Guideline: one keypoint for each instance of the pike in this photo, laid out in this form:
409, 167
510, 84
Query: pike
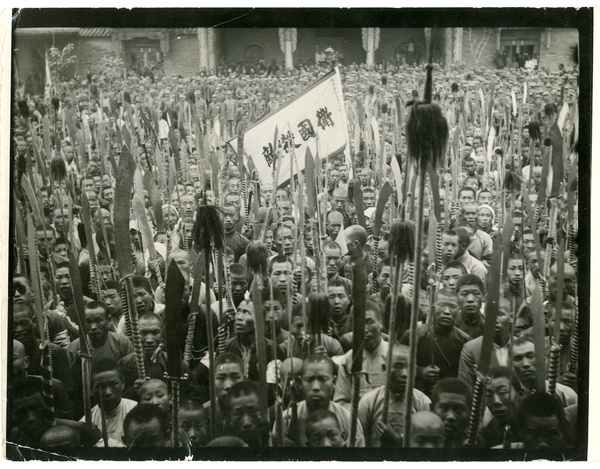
537, 314
384, 195
487, 344
144, 224
554, 357
85, 354
42, 325
209, 234
173, 293
427, 139
359, 299
123, 247
86, 218
401, 244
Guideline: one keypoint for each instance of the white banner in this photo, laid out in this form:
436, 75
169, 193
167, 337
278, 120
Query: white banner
316, 116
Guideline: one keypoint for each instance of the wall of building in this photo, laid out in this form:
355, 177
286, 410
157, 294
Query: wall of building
30, 52
350, 38
90, 51
561, 50
397, 40
184, 55
233, 43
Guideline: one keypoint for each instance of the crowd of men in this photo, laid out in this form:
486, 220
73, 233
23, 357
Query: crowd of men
92, 347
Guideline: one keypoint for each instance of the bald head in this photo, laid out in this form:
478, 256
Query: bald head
289, 364
355, 234
60, 436
20, 360
427, 431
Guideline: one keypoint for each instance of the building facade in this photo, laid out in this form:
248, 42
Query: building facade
187, 51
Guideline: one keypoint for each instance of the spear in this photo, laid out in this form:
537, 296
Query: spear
401, 245
427, 138
209, 234
384, 195
173, 293
554, 358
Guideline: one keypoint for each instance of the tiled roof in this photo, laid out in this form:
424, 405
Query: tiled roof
95, 32
45, 31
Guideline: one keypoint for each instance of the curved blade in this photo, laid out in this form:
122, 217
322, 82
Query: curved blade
140, 213
121, 216
384, 195
173, 294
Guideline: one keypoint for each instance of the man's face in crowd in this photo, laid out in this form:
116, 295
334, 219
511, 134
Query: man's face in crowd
528, 242
69, 153
568, 280
450, 277
273, 312
193, 425
453, 409
62, 281
470, 299
284, 241
28, 415
113, 303
365, 177
466, 196
324, 433
567, 321
239, 287
108, 194
470, 167
155, 392
245, 416
97, 183
96, 320
244, 319
93, 201
484, 219
150, 334
188, 204
343, 172
368, 199
334, 177
88, 185
226, 375
147, 435
383, 280
318, 385
60, 220
445, 311
334, 224
281, 276
333, 260
523, 359
110, 384
449, 247
23, 326
501, 398
469, 215
338, 300
373, 328
143, 300
399, 374
21, 291
515, 273
170, 217
230, 218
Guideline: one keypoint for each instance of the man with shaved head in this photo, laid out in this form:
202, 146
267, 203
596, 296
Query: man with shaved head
427, 431
356, 241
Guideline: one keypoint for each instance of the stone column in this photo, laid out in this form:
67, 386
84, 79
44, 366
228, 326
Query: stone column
203, 48
210, 43
448, 56
370, 42
288, 40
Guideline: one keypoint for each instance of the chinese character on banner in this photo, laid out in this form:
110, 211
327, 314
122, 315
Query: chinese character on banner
286, 140
324, 118
268, 153
305, 129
